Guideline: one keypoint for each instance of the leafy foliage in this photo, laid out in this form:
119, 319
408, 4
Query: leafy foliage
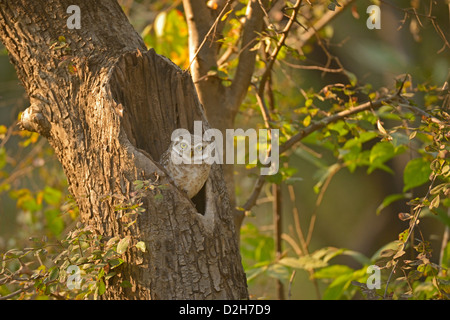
44, 271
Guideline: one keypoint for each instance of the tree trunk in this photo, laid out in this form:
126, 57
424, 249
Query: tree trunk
222, 103
108, 108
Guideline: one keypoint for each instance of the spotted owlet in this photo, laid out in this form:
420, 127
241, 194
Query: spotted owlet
184, 160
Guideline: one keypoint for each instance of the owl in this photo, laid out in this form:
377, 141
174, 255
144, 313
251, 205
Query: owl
185, 162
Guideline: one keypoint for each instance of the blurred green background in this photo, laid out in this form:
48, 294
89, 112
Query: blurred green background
347, 216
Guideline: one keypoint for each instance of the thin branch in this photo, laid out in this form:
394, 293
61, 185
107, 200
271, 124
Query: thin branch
331, 119
292, 242
264, 110
298, 228
322, 22
213, 27
319, 201
304, 243
319, 68
421, 113
291, 280
277, 223
226, 55
309, 130
247, 57
413, 12
408, 11
411, 229
15, 293
280, 44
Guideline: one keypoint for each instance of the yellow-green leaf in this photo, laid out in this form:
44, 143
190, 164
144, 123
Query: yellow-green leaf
123, 244
141, 246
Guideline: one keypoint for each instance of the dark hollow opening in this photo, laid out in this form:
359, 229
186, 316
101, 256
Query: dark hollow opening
199, 200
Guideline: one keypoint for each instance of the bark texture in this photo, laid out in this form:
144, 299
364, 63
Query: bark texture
108, 108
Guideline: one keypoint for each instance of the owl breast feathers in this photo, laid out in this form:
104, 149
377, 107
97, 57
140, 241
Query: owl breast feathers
184, 160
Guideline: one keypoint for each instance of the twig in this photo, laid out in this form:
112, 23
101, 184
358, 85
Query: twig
306, 132
322, 22
280, 44
408, 11
335, 169
304, 244
264, 110
291, 280
226, 55
277, 222
298, 228
421, 112
410, 231
251, 30
428, 16
209, 33
15, 293
297, 66
336, 117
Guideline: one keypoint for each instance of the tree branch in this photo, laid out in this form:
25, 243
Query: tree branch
213, 28
309, 130
246, 65
199, 20
281, 41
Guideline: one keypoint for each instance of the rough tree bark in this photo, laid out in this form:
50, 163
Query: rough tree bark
108, 107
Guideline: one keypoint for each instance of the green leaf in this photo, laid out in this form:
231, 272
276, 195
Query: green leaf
123, 245
54, 220
338, 287
388, 200
54, 273
141, 246
435, 202
363, 137
158, 197
392, 246
307, 121
3, 156
446, 256
416, 173
332, 272
52, 196
276, 178
114, 263
110, 275
305, 262
225, 16
278, 271
291, 262
351, 77
361, 258
403, 236
380, 153
254, 272
101, 287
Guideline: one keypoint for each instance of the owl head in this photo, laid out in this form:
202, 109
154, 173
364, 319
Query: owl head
189, 149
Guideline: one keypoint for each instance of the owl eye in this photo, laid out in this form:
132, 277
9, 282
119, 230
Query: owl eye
183, 145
